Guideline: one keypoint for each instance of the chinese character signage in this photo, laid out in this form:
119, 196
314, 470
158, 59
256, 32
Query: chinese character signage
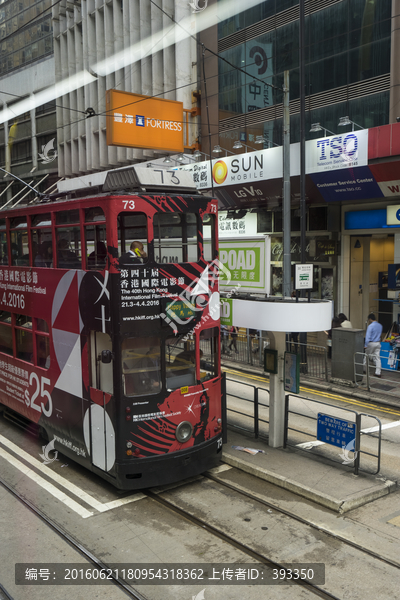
335, 431
304, 277
143, 122
248, 262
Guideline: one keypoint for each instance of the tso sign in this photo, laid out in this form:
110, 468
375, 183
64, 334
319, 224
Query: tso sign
338, 152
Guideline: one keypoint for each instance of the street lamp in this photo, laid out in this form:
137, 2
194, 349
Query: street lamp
343, 121
260, 139
238, 144
317, 127
218, 150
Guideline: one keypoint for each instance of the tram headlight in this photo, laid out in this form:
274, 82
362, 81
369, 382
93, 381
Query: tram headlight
184, 432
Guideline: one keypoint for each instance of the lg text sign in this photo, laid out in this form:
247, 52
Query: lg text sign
143, 122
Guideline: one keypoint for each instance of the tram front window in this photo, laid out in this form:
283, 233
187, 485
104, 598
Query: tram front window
141, 366
209, 363
175, 238
180, 361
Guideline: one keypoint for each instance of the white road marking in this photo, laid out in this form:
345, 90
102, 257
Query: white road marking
77, 491
49, 487
309, 445
386, 426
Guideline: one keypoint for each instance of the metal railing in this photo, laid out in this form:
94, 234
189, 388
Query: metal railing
389, 374
358, 451
254, 400
250, 350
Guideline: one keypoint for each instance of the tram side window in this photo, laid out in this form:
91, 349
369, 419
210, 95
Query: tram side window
68, 240
3, 243
42, 240
24, 338
132, 227
175, 238
42, 344
209, 363
180, 363
6, 341
19, 242
141, 366
209, 237
95, 238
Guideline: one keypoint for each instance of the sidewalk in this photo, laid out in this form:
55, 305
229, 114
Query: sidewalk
331, 486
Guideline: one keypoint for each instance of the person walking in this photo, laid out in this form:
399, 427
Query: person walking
234, 333
372, 344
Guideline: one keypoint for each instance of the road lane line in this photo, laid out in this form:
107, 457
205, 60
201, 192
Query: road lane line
49, 487
74, 489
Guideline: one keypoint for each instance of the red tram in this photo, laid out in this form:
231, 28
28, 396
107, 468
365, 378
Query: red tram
109, 326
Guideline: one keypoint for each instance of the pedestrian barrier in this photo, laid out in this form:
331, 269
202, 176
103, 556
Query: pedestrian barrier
249, 350
389, 379
354, 447
257, 421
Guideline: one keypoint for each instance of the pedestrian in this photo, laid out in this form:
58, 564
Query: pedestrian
335, 323
234, 331
372, 344
344, 322
224, 339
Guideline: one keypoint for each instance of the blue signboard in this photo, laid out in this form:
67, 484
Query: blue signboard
335, 431
347, 184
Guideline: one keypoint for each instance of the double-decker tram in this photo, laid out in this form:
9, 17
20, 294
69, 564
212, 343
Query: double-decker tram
109, 326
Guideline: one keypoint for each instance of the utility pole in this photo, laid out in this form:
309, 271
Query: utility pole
286, 188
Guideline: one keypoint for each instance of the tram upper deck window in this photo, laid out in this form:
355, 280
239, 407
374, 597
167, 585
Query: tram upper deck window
3, 243
141, 366
132, 227
68, 240
209, 363
180, 363
175, 238
95, 238
19, 242
209, 237
42, 240
6, 338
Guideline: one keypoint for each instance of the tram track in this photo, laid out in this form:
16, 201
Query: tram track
252, 553
71, 541
295, 517
244, 548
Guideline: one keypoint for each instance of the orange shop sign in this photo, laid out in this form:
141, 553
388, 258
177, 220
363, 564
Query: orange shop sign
144, 122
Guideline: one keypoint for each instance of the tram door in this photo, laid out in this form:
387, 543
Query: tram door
102, 433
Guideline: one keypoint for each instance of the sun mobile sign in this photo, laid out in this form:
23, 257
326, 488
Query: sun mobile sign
338, 155
143, 122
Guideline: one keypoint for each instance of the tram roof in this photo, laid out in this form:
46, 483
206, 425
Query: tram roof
132, 178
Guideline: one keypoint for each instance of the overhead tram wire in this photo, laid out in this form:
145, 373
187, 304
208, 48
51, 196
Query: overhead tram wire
29, 22
216, 54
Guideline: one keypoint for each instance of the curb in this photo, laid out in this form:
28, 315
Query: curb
339, 506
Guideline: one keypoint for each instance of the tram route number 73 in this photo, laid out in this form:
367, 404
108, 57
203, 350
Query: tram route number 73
14, 300
39, 390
